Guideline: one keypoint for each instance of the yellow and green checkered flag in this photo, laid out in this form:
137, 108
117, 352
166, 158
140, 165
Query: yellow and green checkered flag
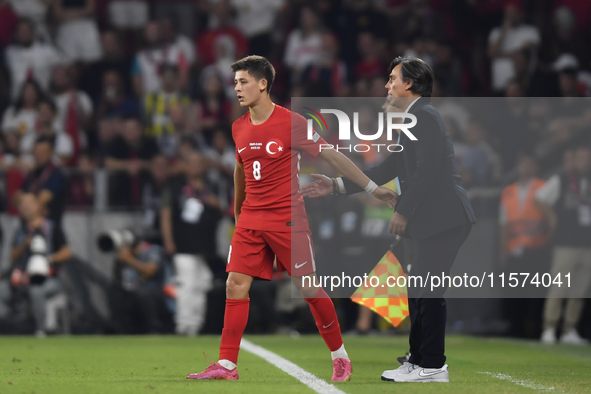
389, 302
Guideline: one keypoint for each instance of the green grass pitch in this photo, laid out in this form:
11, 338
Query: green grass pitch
159, 364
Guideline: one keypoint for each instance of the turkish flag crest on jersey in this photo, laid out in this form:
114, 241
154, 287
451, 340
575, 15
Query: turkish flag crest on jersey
274, 147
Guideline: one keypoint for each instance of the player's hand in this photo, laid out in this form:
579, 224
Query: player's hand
397, 224
320, 188
386, 195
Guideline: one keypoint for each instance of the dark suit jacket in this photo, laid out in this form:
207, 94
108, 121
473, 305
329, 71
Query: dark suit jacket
432, 199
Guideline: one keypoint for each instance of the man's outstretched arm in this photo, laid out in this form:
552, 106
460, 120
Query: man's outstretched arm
343, 165
380, 174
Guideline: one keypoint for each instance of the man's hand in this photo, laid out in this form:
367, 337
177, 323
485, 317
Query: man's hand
125, 255
386, 195
397, 224
320, 188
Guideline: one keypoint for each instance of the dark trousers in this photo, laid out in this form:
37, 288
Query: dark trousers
427, 309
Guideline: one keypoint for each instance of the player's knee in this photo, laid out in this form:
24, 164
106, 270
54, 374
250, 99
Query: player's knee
236, 290
305, 288
308, 292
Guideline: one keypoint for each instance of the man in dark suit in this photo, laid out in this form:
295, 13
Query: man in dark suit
433, 210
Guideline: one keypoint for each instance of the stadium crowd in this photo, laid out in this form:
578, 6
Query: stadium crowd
143, 89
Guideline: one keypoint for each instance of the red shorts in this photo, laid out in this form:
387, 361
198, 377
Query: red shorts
252, 252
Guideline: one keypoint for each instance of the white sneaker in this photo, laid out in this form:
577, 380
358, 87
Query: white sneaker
424, 375
405, 368
549, 336
572, 337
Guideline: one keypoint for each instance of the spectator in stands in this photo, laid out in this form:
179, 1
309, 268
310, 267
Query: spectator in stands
189, 144
140, 273
564, 38
565, 201
370, 65
189, 217
115, 59
36, 12
448, 69
38, 238
568, 83
353, 18
21, 117
171, 36
523, 243
224, 55
330, 70
129, 155
513, 36
129, 14
74, 109
77, 34
148, 62
81, 183
8, 23
114, 101
30, 59
7, 160
157, 110
213, 107
46, 181
567, 63
45, 126
220, 24
221, 159
256, 19
476, 167
107, 129
304, 44
181, 12
151, 198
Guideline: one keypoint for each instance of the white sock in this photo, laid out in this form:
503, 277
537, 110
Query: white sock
227, 364
339, 353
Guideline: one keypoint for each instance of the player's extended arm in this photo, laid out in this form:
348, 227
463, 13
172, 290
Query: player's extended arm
342, 164
239, 189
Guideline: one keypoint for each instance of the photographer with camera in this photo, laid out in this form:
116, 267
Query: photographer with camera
140, 276
38, 251
189, 216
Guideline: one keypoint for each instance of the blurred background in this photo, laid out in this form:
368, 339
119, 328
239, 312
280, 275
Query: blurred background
116, 153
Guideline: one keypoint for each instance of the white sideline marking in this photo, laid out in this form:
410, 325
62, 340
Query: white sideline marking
316, 384
524, 383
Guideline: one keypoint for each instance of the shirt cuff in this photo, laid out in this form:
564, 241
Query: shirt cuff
341, 186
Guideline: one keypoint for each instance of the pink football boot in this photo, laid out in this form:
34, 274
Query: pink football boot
215, 371
342, 370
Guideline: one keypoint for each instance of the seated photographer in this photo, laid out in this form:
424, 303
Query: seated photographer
140, 308
39, 249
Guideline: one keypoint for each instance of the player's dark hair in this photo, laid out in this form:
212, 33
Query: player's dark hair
417, 71
257, 66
